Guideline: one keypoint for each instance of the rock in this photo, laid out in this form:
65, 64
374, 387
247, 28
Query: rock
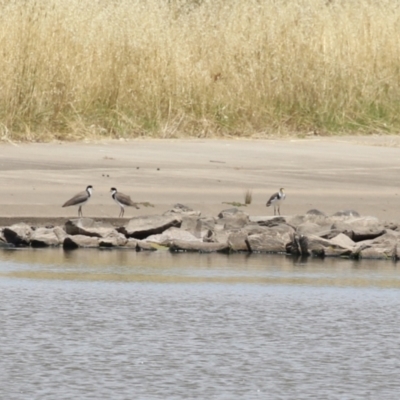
87, 227
172, 234
198, 227
307, 228
273, 240
231, 212
342, 227
44, 237
384, 247
236, 222
272, 221
113, 240
189, 224
316, 213
365, 228
182, 210
18, 234
343, 240
298, 246
131, 244
391, 225
267, 220
321, 220
237, 241
5, 245
76, 241
254, 229
144, 226
201, 247
60, 233
347, 213
319, 247
145, 246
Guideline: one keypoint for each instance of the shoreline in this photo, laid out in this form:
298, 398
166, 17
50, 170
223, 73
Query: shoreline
325, 173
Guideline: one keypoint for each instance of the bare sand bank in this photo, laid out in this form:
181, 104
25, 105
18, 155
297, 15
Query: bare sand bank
330, 174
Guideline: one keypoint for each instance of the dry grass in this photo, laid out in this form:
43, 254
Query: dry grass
172, 68
248, 196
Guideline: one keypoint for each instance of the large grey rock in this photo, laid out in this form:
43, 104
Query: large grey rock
201, 247
342, 227
273, 240
365, 228
144, 226
44, 237
217, 235
77, 241
236, 221
384, 247
199, 227
114, 239
87, 227
254, 229
320, 247
343, 240
307, 228
189, 224
298, 220
172, 234
18, 234
60, 233
238, 241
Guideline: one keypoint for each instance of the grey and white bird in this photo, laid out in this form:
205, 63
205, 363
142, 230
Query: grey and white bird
80, 199
122, 200
276, 199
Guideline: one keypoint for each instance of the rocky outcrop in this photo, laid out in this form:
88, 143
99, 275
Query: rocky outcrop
314, 234
142, 227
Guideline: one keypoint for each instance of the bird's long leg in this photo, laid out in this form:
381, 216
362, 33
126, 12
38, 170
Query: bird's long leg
80, 211
279, 210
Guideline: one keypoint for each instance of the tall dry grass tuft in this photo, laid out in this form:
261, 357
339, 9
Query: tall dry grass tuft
171, 68
248, 196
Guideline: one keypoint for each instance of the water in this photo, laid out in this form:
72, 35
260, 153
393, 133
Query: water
126, 325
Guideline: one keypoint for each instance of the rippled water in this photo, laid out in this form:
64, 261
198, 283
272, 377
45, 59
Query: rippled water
126, 325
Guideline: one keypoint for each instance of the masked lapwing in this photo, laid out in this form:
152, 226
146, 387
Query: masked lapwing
276, 199
80, 199
122, 200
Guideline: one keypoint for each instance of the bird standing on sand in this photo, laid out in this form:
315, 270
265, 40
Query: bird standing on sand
122, 200
80, 199
276, 199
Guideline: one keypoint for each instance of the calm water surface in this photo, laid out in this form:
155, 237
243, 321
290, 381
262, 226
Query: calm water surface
126, 325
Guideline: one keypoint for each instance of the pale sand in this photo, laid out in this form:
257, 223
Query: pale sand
329, 174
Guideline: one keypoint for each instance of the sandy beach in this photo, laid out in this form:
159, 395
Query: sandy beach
329, 174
